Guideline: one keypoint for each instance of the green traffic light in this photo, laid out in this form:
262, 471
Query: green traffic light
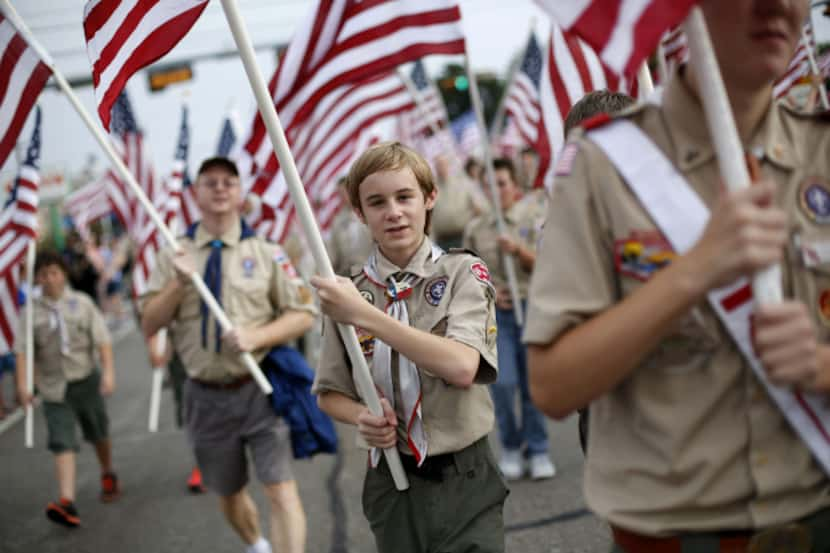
461, 83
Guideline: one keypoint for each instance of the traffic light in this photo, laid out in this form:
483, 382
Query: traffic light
462, 83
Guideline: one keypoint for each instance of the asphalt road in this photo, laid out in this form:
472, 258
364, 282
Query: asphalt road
156, 514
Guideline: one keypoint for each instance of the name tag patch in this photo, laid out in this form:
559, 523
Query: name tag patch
434, 290
641, 254
814, 199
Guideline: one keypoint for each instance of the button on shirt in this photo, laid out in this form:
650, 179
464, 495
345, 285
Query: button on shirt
258, 284
449, 301
689, 441
67, 354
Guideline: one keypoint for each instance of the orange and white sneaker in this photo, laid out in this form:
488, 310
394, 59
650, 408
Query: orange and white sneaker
110, 491
194, 482
63, 512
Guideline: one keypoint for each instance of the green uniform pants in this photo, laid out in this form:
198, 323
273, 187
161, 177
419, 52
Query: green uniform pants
461, 512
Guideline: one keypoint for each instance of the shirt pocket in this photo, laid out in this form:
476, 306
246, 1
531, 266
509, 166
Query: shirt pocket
689, 345
249, 298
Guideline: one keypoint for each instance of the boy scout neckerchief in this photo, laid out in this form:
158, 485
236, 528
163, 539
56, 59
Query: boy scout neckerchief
397, 290
213, 277
681, 216
56, 320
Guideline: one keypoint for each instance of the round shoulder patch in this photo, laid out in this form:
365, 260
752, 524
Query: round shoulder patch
481, 272
434, 290
368, 296
814, 199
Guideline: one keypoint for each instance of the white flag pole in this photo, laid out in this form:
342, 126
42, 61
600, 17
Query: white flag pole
645, 84
124, 173
362, 377
811, 58
29, 428
766, 284
159, 343
507, 260
501, 110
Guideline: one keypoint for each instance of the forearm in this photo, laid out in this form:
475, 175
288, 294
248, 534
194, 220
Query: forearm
160, 310
596, 356
526, 257
340, 407
288, 326
20, 371
107, 364
452, 361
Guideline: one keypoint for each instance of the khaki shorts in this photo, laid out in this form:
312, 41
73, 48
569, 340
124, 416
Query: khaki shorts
222, 423
82, 403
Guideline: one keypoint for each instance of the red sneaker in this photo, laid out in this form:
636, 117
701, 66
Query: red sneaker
63, 512
110, 490
194, 483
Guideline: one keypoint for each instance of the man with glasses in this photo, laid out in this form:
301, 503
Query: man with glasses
224, 410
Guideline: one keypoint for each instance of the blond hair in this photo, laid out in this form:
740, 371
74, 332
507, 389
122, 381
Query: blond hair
389, 156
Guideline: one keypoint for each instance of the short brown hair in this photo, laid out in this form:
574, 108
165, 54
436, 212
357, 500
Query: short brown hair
507, 165
218, 162
389, 156
48, 258
594, 103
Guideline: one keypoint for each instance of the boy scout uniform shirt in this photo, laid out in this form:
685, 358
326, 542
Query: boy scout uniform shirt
453, 300
258, 284
690, 440
524, 224
85, 332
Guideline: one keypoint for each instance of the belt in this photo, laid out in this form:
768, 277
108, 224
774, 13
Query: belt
789, 538
224, 384
431, 469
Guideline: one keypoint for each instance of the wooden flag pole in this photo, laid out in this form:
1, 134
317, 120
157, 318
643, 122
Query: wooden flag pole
362, 376
124, 173
29, 428
507, 260
811, 58
766, 284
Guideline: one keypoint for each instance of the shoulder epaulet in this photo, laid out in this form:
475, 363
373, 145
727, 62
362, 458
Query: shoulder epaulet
821, 115
355, 271
463, 250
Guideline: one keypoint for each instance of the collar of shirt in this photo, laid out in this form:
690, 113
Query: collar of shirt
421, 263
690, 134
49, 302
230, 237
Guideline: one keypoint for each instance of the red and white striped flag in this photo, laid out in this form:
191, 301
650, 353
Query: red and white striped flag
22, 77
799, 67
571, 69
623, 32
522, 98
18, 227
675, 48
87, 204
342, 42
123, 36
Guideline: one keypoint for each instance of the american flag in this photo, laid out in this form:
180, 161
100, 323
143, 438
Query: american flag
87, 204
571, 70
467, 134
227, 138
623, 32
823, 63
180, 209
799, 67
22, 77
675, 48
341, 43
433, 112
124, 36
522, 100
18, 227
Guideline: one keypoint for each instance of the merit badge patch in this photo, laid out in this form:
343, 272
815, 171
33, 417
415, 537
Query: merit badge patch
434, 290
368, 296
248, 264
565, 163
281, 259
814, 199
481, 272
824, 307
641, 254
367, 342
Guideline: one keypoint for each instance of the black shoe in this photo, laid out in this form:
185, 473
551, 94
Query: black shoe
63, 512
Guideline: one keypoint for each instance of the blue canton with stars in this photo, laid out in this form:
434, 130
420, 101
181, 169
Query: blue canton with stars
32, 157
532, 62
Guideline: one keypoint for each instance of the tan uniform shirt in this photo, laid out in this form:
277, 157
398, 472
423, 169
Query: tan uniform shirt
453, 210
258, 284
453, 300
84, 332
689, 440
524, 224
349, 243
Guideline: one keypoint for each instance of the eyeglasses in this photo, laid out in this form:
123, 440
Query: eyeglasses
215, 183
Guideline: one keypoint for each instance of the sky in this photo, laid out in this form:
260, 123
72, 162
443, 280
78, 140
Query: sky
495, 31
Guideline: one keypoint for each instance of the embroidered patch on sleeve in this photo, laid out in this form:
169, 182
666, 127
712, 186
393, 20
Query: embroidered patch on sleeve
565, 163
481, 272
284, 263
641, 254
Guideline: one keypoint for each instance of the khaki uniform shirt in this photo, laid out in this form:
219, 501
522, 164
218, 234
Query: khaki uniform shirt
258, 284
689, 440
453, 209
349, 243
453, 300
85, 331
524, 224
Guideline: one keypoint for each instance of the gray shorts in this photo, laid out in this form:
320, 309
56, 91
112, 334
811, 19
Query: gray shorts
220, 423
